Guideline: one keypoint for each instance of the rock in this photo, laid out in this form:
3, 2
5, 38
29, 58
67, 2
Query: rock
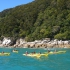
21, 43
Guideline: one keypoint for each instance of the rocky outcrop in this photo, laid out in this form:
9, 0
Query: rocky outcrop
45, 43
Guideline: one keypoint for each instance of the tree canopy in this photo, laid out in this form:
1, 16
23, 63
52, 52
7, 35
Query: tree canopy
36, 20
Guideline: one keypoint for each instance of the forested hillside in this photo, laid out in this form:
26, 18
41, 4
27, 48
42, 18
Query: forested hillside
36, 20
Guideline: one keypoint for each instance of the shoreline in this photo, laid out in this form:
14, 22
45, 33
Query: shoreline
57, 46
45, 43
36, 48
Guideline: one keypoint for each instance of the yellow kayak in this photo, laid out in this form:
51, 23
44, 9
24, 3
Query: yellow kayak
15, 51
57, 52
44, 54
33, 55
4, 54
36, 55
60, 52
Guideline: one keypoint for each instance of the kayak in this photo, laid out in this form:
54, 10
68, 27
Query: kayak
15, 51
57, 52
4, 54
44, 54
60, 52
36, 55
33, 55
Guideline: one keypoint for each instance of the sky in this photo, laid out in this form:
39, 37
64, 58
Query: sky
6, 4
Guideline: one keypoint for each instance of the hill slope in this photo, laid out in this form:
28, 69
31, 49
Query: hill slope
37, 20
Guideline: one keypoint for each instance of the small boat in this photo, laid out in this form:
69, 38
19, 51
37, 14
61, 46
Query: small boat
4, 54
57, 52
44, 54
60, 52
15, 51
35, 55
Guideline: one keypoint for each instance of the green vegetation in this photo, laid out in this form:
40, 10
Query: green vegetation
36, 20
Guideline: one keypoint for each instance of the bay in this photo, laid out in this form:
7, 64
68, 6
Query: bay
17, 61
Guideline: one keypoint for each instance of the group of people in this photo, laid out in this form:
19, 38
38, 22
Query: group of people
39, 52
32, 52
53, 51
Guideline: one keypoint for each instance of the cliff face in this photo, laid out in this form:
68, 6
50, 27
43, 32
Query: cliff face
45, 43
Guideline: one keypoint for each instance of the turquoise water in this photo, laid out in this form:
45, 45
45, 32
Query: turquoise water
16, 61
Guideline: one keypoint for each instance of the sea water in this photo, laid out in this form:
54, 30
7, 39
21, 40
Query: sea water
17, 61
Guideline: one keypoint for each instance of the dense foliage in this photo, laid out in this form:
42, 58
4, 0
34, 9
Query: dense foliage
36, 20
